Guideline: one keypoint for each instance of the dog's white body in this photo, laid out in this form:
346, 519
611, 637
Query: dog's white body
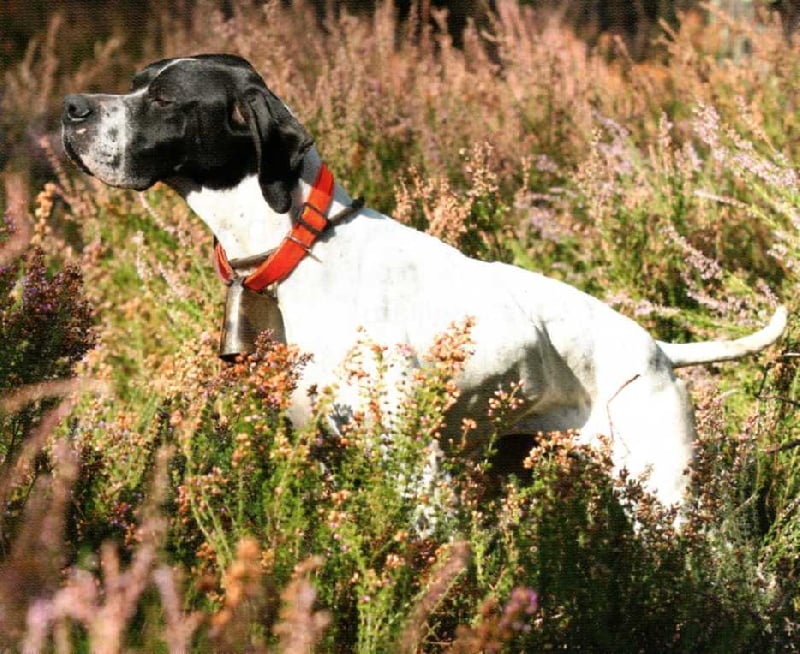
581, 364
209, 122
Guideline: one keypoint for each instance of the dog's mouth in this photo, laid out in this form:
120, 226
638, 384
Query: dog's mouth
106, 166
73, 154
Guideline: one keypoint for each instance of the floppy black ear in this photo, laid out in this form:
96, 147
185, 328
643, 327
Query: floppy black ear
280, 142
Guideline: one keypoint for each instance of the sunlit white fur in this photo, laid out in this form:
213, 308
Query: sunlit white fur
581, 364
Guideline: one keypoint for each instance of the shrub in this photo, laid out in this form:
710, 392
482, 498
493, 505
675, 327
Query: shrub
46, 326
181, 511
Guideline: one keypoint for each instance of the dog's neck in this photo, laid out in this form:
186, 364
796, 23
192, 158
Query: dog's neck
240, 217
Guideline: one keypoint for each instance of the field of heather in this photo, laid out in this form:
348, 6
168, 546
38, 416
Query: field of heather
154, 499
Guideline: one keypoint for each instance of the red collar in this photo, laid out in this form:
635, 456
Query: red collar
307, 227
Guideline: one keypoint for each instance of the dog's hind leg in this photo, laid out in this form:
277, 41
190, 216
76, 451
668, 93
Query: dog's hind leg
649, 421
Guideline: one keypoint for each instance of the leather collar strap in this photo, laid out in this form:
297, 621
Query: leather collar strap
307, 226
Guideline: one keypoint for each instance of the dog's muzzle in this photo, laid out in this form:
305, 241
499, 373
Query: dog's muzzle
96, 134
247, 314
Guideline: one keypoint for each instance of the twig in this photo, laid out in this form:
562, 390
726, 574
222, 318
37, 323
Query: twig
21, 236
782, 448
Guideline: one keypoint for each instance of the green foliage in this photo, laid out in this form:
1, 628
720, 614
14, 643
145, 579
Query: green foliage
668, 188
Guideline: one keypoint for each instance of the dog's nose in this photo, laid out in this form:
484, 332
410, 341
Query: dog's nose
76, 108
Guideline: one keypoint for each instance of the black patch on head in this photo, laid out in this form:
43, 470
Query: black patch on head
207, 120
230, 103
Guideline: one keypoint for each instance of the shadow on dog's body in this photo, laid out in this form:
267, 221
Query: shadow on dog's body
210, 128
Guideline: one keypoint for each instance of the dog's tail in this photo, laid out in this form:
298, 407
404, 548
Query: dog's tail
692, 354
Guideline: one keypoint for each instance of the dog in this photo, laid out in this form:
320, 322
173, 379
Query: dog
210, 128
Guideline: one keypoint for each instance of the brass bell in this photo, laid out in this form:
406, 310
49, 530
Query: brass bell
247, 314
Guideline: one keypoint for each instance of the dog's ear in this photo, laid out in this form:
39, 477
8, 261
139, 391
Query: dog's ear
280, 142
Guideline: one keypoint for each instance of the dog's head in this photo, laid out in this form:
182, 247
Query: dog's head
208, 120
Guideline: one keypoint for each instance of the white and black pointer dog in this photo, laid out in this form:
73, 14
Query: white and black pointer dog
209, 127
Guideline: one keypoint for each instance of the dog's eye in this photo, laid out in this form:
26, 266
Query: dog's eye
162, 100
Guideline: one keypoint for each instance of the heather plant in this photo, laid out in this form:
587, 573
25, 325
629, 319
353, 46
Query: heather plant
352, 497
473, 220
46, 326
772, 200
181, 511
